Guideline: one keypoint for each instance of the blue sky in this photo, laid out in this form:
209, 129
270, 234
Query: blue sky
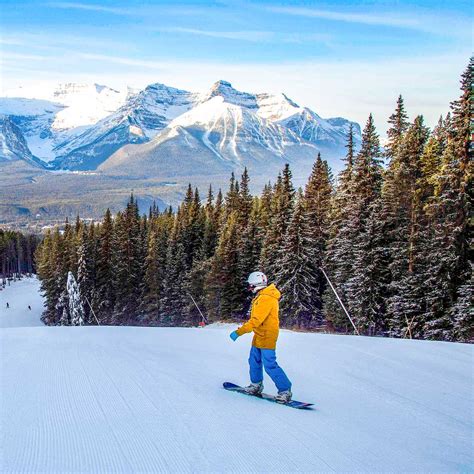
342, 57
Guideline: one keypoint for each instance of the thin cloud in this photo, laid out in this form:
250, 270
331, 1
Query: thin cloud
364, 18
20, 56
150, 64
140, 10
232, 35
419, 20
59, 42
11, 42
90, 7
251, 35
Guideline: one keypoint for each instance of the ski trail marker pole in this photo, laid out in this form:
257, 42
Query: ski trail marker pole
340, 302
195, 304
87, 299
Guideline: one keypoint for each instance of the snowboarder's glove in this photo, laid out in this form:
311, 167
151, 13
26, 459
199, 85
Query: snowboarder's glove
234, 335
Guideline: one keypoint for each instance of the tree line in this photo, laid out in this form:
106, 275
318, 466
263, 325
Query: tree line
17, 254
394, 240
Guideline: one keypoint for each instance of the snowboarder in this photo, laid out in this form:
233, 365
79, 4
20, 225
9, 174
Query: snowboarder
8, 304
29, 307
264, 323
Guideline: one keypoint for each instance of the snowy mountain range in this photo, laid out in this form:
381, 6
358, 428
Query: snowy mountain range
89, 127
81, 148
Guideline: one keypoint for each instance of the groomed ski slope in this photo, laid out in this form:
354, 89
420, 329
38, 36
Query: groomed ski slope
124, 399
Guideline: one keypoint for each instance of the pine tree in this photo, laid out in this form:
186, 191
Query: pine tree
192, 228
317, 214
398, 126
244, 200
401, 221
103, 295
174, 300
281, 213
354, 250
85, 270
76, 308
153, 278
129, 262
339, 258
297, 277
251, 241
211, 226
61, 255
46, 273
232, 196
224, 285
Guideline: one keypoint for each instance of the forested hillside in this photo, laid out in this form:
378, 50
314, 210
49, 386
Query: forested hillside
394, 240
16, 253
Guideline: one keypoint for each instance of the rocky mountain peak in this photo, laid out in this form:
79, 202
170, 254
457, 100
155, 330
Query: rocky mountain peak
230, 95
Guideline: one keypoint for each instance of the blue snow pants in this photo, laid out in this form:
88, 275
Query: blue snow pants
267, 358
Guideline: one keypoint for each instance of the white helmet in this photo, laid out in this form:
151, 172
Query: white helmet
257, 281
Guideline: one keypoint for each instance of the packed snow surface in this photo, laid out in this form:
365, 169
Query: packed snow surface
124, 399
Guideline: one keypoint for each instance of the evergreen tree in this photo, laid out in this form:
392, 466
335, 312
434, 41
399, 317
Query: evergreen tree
244, 200
76, 309
361, 289
224, 285
129, 263
399, 124
211, 226
297, 277
103, 294
174, 300
317, 214
232, 196
401, 218
339, 256
85, 271
281, 213
46, 274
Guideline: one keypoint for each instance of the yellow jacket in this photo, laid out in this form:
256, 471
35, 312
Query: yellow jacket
263, 320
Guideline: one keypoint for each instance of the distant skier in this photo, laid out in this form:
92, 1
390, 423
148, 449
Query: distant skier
264, 323
8, 304
29, 307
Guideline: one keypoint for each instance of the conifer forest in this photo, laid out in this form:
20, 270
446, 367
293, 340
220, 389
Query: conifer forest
16, 254
392, 232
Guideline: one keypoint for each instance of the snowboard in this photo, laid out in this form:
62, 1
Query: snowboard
292, 403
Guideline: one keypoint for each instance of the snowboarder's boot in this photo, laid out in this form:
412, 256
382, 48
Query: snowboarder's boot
254, 388
284, 396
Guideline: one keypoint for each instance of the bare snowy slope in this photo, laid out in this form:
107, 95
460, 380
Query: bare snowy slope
118, 399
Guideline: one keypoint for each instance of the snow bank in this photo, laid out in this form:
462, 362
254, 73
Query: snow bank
122, 399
